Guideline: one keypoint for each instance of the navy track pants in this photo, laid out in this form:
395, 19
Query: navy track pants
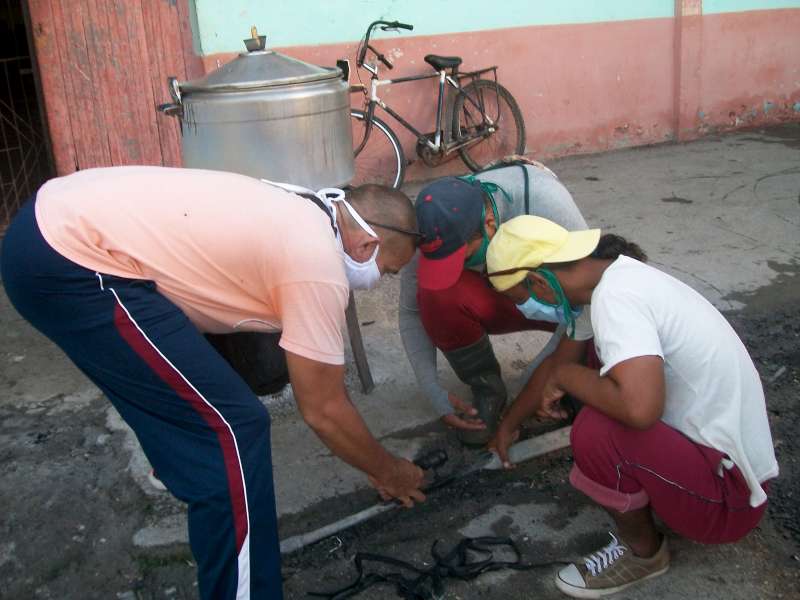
205, 433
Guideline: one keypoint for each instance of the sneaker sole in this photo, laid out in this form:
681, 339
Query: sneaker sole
576, 592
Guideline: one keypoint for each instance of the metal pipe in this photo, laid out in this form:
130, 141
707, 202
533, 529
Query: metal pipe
519, 452
533, 447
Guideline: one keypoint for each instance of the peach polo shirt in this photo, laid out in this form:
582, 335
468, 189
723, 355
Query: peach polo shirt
234, 253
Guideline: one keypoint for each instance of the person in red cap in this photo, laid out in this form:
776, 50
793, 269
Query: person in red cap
447, 303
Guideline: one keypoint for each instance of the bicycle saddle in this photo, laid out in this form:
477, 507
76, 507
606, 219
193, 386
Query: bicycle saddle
443, 62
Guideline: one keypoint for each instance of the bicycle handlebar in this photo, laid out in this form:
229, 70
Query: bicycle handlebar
385, 26
382, 58
397, 25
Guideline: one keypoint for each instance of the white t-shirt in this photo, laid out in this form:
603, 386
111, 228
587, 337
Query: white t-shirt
583, 325
713, 391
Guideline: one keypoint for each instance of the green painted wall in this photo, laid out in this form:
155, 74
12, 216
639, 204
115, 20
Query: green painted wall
220, 26
720, 6
223, 25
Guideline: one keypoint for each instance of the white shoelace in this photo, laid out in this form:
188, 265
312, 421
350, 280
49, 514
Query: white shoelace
605, 557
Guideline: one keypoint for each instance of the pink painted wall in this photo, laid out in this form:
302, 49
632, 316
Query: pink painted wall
740, 69
600, 86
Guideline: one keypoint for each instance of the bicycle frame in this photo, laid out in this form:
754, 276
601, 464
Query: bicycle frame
453, 79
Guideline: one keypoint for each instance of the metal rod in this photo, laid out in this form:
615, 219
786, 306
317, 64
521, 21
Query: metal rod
519, 452
412, 78
296, 542
357, 345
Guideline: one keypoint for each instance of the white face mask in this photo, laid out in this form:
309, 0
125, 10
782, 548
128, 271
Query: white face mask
360, 275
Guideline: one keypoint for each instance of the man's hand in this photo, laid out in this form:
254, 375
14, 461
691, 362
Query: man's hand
321, 396
464, 417
501, 442
552, 392
402, 481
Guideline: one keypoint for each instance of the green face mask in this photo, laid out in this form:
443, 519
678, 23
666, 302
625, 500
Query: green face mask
479, 257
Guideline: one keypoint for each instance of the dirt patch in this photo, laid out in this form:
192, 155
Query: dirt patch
68, 507
770, 330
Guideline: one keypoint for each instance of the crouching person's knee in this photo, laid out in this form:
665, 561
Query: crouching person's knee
596, 471
590, 434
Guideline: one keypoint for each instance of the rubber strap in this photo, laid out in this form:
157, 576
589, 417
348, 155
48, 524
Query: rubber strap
324, 208
465, 561
527, 189
525, 178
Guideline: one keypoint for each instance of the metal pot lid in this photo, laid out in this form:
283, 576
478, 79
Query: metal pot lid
260, 69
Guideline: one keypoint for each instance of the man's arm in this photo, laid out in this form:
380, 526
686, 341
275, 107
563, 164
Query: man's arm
419, 349
421, 354
529, 401
322, 398
632, 392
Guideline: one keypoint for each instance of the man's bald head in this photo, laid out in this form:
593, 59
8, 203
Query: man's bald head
380, 205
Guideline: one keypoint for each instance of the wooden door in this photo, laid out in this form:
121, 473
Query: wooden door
104, 66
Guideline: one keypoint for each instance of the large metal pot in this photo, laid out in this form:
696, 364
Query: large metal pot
268, 115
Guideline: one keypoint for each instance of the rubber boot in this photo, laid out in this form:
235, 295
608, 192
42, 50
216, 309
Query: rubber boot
477, 366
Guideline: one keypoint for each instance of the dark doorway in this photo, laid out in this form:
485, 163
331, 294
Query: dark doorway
24, 154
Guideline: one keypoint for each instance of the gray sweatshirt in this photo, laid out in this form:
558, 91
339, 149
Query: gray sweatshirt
548, 198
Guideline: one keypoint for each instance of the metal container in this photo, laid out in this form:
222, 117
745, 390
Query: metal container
268, 115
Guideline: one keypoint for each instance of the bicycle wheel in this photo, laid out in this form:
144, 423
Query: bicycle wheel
488, 119
382, 160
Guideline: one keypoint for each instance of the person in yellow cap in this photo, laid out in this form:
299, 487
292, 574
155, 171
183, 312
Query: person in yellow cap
674, 423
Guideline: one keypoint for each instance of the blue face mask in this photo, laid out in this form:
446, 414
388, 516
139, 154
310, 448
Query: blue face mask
539, 310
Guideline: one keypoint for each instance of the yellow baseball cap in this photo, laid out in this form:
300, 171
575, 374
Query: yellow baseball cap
529, 241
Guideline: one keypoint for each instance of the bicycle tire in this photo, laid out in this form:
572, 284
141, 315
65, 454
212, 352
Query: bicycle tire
467, 119
382, 160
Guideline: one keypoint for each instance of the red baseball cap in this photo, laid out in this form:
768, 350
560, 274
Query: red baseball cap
449, 213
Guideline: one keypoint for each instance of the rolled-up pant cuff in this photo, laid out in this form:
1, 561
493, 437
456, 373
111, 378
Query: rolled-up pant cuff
607, 497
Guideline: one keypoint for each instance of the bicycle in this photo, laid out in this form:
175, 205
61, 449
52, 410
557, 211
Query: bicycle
475, 116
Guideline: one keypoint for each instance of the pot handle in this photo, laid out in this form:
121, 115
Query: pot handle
174, 89
171, 109
174, 108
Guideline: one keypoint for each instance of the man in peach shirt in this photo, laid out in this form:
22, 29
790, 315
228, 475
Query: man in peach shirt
126, 268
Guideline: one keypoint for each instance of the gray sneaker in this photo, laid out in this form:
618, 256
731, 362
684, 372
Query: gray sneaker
610, 570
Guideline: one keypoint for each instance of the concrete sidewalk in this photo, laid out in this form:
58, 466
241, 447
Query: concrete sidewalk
722, 214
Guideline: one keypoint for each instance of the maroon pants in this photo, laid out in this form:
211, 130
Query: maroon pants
625, 469
459, 315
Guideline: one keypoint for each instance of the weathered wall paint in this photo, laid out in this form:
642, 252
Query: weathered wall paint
223, 25
749, 75
597, 79
598, 86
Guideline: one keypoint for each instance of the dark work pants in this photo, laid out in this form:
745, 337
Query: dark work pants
205, 433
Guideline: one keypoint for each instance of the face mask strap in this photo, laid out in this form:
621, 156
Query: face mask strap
561, 298
488, 187
479, 256
357, 217
333, 195
528, 285
416, 234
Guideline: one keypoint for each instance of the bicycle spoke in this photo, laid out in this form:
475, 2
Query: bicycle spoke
381, 160
488, 123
